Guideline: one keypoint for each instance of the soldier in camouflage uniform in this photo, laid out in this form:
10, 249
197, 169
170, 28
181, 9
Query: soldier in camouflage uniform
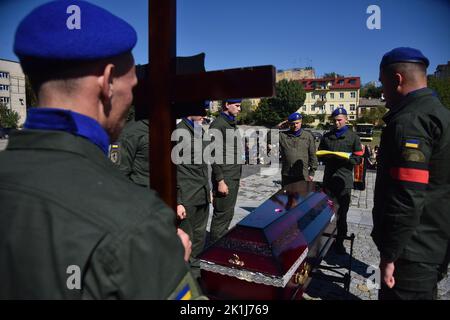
298, 152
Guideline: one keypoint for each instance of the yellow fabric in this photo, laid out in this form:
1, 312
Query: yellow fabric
345, 155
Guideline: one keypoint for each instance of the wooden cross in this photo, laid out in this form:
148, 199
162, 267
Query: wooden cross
165, 87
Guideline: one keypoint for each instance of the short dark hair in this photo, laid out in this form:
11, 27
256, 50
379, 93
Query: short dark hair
40, 70
406, 68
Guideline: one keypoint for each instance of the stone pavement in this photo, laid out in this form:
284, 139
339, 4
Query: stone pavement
257, 186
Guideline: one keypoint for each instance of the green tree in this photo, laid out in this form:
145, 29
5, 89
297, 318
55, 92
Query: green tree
307, 119
8, 118
369, 90
30, 94
321, 117
373, 116
288, 99
442, 89
245, 116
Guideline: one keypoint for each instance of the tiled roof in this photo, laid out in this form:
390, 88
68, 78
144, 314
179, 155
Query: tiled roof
331, 83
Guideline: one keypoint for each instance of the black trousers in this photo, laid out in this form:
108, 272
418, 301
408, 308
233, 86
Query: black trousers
413, 281
342, 202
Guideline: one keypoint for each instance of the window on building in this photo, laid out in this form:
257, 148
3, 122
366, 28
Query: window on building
4, 75
352, 117
331, 95
340, 82
352, 107
332, 107
353, 94
4, 99
352, 81
304, 108
341, 106
341, 95
4, 87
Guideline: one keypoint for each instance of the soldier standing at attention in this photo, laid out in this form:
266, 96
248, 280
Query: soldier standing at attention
226, 175
298, 152
71, 226
338, 175
193, 192
411, 216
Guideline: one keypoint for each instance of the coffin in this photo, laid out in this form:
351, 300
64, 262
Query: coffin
271, 253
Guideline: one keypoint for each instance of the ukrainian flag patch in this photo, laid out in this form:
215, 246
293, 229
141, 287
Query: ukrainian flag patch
185, 293
412, 143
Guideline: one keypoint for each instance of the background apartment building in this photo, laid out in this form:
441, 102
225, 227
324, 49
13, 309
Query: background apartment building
12, 88
324, 95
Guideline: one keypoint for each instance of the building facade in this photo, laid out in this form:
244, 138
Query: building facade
12, 88
324, 95
296, 74
367, 104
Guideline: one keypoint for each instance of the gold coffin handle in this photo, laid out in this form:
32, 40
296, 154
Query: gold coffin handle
301, 276
236, 261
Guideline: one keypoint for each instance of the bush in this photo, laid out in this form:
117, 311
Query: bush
8, 118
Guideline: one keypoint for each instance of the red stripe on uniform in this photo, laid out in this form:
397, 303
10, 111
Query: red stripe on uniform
410, 175
358, 153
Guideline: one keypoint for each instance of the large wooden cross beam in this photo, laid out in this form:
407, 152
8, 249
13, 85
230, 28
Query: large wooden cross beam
165, 87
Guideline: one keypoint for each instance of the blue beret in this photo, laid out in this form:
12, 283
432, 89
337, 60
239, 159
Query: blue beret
233, 100
339, 111
294, 117
52, 32
404, 54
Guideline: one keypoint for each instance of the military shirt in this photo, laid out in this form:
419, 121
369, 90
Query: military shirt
338, 173
298, 154
411, 213
192, 178
131, 154
232, 149
73, 227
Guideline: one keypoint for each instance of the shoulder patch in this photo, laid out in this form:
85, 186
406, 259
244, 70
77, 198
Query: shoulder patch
114, 155
413, 155
187, 289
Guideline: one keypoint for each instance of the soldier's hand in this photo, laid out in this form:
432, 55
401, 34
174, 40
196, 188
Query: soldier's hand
387, 273
181, 212
187, 243
222, 188
310, 178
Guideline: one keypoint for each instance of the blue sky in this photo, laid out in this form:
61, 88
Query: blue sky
329, 35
